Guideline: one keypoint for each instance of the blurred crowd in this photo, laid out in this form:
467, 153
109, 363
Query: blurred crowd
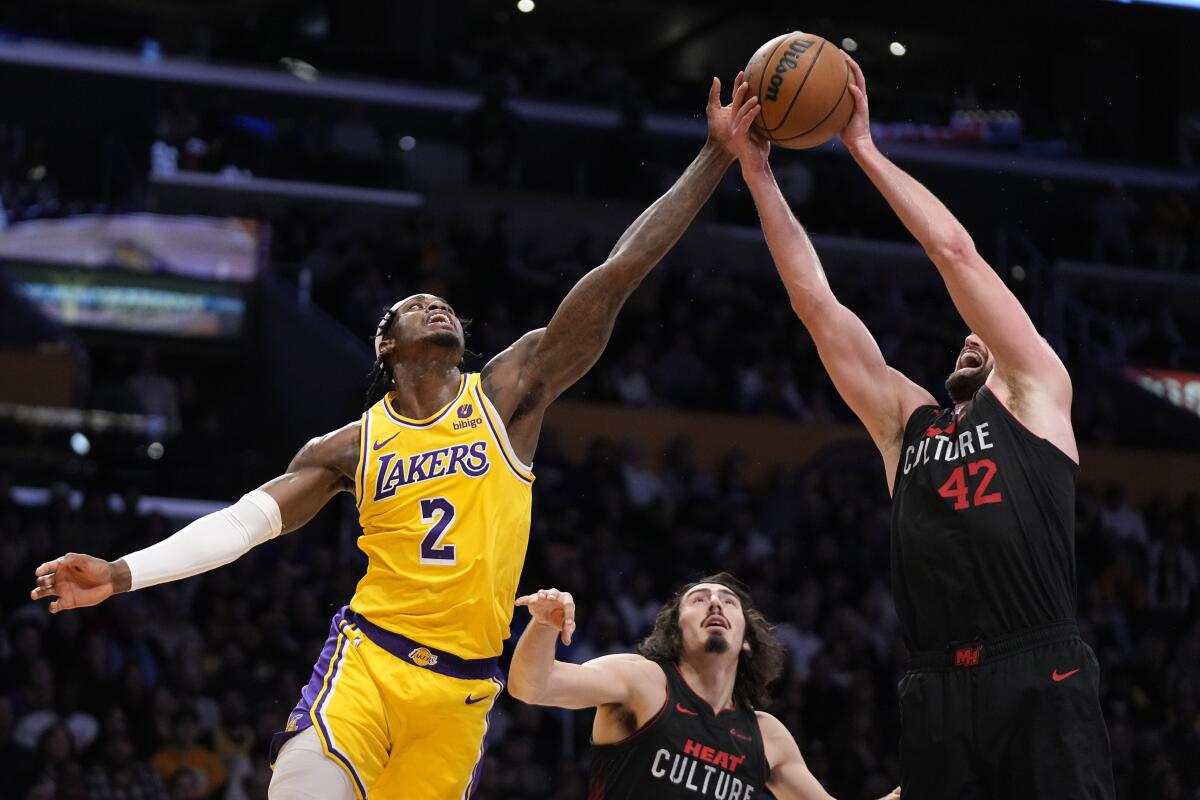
664, 59
699, 333
44, 172
174, 692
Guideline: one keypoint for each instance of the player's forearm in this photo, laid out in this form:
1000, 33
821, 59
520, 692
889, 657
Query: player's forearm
532, 663
795, 257
655, 231
580, 328
925, 216
207, 543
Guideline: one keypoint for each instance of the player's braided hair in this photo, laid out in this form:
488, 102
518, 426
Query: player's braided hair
381, 376
757, 669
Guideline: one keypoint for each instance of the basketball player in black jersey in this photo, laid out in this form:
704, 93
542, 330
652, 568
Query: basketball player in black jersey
677, 719
1001, 699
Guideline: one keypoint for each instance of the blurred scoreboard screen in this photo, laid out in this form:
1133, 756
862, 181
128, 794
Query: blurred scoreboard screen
1175, 386
1194, 4
131, 302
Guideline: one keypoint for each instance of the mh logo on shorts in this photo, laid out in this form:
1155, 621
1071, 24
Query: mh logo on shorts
968, 656
422, 657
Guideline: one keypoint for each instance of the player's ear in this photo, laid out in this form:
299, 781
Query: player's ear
746, 645
385, 346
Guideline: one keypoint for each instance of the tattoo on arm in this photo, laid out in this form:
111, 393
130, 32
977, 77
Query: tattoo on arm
580, 329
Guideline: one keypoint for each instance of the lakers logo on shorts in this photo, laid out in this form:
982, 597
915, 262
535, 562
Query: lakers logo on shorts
422, 657
294, 721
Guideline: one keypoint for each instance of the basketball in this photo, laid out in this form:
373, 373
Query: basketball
803, 85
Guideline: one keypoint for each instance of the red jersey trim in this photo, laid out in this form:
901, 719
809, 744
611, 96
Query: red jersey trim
688, 686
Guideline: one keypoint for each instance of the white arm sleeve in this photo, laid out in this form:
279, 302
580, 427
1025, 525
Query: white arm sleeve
209, 542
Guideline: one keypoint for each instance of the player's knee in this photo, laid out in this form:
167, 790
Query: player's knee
304, 772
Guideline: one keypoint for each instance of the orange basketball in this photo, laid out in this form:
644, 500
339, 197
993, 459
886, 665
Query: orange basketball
803, 85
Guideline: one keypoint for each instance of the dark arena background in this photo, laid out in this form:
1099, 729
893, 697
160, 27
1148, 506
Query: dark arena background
207, 205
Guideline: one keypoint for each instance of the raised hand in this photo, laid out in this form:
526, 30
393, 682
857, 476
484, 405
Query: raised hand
750, 147
723, 120
552, 608
77, 581
858, 130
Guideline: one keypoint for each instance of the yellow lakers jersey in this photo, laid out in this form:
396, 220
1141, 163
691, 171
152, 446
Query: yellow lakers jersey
444, 505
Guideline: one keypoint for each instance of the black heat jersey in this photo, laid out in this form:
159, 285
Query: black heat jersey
983, 515
686, 752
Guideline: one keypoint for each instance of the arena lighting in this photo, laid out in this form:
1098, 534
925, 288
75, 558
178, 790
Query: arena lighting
525, 6
301, 69
54, 418
849, 45
1018, 272
154, 451
897, 49
407, 143
80, 445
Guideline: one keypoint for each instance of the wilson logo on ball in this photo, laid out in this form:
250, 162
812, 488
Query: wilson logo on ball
788, 60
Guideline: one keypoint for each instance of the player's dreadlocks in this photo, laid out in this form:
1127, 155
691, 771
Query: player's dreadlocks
381, 376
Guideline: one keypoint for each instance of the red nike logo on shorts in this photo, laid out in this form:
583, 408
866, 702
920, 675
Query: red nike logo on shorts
687, 711
1056, 676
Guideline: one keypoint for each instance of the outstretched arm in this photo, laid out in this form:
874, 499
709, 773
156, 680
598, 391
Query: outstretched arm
544, 363
790, 778
535, 676
322, 468
985, 303
880, 396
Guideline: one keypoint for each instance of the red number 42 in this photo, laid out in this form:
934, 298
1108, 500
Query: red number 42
956, 486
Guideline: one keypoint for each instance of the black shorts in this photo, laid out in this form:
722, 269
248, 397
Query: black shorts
1014, 717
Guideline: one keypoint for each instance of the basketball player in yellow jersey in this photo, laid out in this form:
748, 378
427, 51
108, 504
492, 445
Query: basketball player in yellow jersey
441, 470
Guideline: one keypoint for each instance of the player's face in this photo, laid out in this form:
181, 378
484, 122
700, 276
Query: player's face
971, 370
711, 620
427, 318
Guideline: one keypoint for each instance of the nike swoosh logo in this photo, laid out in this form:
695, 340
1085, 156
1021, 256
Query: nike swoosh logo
473, 700
378, 445
687, 711
1056, 676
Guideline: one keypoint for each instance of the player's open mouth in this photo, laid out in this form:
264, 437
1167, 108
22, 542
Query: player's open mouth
439, 319
716, 622
970, 359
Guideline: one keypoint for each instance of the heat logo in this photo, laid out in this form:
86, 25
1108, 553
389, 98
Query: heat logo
707, 771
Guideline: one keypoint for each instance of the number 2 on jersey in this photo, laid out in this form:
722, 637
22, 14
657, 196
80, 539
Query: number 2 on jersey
439, 512
955, 487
